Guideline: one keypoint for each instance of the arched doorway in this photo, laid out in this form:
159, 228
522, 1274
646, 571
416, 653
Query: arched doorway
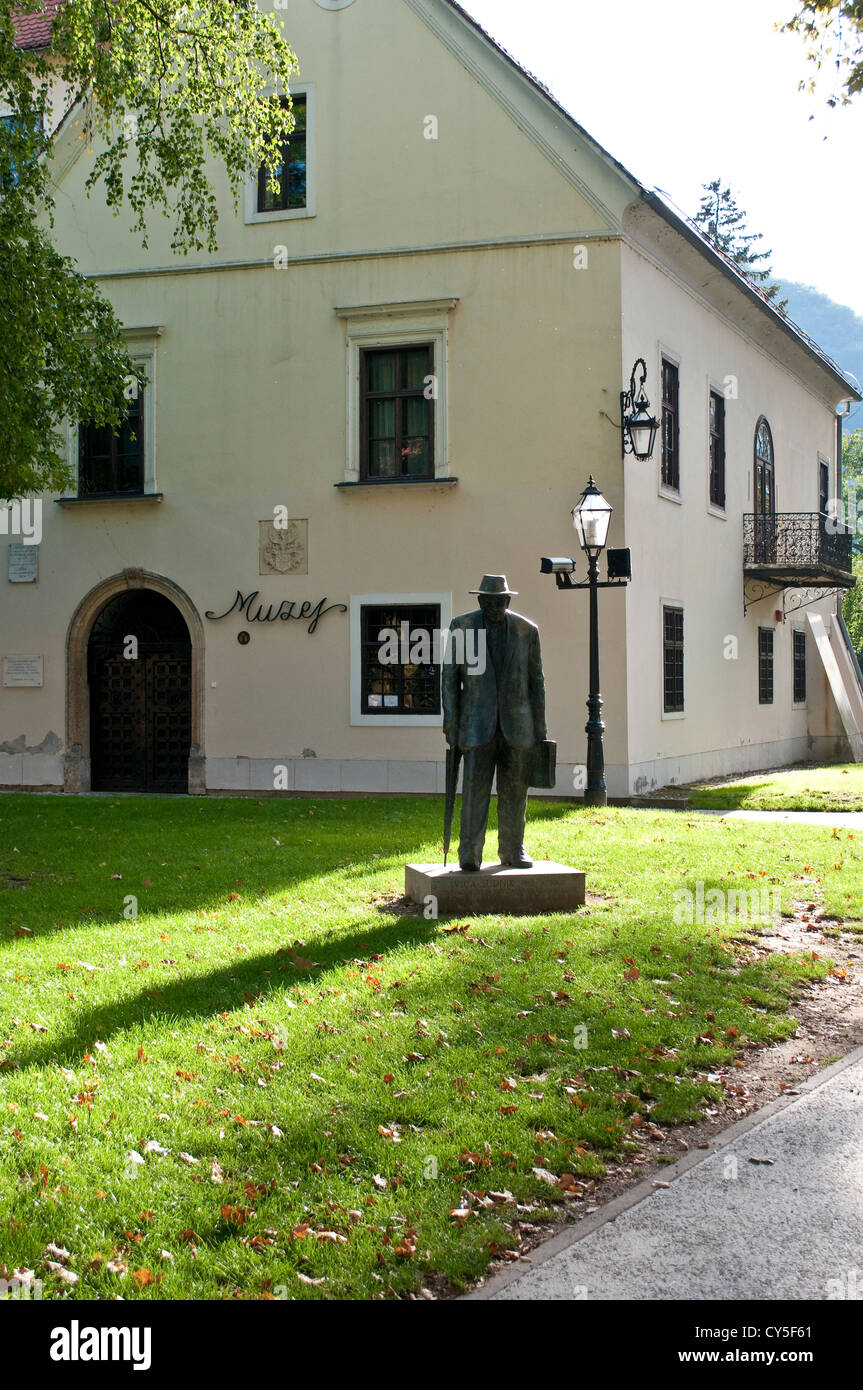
139, 665
135, 721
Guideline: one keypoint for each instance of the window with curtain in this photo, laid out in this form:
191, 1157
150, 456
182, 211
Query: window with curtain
397, 413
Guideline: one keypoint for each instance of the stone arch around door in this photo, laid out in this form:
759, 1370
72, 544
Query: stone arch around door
77, 773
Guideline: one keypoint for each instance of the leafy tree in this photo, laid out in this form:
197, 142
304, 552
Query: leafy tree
163, 88
723, 223
833, 30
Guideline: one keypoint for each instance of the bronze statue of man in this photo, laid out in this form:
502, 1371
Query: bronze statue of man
494, 713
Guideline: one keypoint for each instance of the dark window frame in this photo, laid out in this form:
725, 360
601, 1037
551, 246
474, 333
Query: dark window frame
766, 664
823, 486
88, 458
716, 423
299, 136
673, 659
399, 395
798, 639
764, 471
402, 680
670, 425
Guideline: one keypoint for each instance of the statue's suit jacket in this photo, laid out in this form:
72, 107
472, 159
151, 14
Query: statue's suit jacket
472, 703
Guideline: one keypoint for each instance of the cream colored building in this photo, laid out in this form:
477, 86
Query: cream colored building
460, 285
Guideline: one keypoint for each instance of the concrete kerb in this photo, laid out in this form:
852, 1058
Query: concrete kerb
572, 1235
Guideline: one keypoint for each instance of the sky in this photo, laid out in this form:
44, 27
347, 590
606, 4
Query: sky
685, 91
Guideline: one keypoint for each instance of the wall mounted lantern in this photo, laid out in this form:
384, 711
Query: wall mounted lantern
638, 426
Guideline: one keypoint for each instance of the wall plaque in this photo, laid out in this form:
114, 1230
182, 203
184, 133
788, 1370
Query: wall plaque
283, 550
23, 563
23, 670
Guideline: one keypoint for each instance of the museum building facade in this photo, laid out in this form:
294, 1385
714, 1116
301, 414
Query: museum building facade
395, 376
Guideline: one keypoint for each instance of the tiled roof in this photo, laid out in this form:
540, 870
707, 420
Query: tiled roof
34, 30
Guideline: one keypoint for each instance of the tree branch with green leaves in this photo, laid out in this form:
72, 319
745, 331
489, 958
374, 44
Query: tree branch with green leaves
833, 32
168, 94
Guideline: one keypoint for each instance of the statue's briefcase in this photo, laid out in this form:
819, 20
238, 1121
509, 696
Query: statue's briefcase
545, 765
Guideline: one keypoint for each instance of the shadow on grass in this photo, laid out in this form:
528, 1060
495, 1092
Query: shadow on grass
726, 798
251, 980
211, 849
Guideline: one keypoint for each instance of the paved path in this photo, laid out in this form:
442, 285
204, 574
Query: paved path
728, 1228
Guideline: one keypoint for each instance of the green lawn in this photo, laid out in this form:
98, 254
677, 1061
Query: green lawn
269, 1085
833, 788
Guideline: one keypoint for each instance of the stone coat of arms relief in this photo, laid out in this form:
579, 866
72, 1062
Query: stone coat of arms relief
284, 550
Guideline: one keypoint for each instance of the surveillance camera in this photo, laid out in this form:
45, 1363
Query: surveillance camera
556, 565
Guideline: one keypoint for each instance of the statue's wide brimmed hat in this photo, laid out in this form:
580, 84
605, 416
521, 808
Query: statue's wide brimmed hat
494, 584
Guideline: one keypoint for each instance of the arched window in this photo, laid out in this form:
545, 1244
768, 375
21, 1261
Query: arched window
765, 472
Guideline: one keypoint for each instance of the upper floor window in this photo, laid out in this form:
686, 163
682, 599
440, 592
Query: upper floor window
397, 388
717, 449
294, 191
670, 425
823, 487
109, 463
291, 176
765, 471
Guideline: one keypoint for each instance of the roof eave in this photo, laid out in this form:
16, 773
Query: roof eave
701, 244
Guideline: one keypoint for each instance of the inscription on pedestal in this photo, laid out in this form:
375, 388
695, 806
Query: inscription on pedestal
547, 887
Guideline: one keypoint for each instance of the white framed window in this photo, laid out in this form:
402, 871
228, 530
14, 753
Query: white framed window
672, 615
669, 483
397, 327
396, 649
299, 182
141, 343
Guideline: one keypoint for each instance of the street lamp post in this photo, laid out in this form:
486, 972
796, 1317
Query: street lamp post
592, 518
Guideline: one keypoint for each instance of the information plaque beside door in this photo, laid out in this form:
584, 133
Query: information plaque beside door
23, 563
23, 670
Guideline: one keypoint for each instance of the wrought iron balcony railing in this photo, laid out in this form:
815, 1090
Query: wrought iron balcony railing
798, 548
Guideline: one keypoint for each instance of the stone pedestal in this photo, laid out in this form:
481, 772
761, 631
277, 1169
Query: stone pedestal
547, 887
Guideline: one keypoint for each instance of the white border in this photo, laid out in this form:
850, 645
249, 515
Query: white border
391, 721
389, 327
306, 89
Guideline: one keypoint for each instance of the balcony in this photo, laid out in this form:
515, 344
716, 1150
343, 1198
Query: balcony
798, 550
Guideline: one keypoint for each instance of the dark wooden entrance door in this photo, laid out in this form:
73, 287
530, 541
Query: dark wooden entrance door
140, 662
